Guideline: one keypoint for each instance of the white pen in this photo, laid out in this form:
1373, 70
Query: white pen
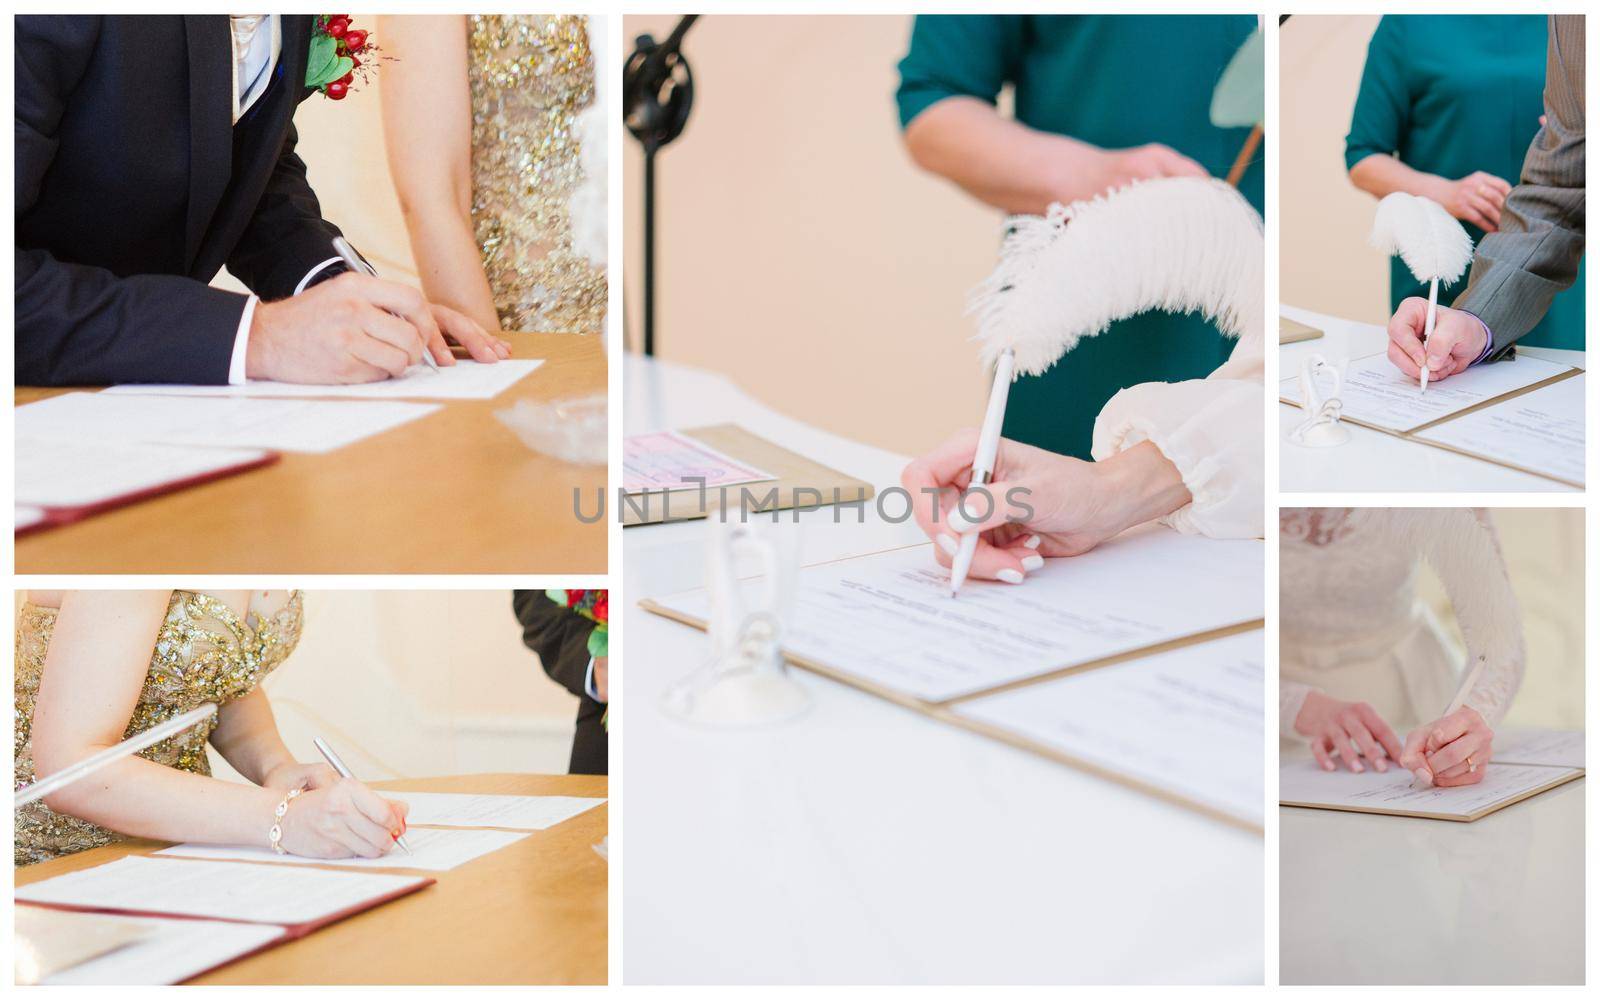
1427, 331
353, 261
344, 772
1454, 707
132, 745
983, 462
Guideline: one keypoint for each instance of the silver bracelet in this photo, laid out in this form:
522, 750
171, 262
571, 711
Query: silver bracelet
275, 835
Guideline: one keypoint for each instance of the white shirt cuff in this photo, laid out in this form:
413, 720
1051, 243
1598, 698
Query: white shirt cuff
241, 343
313, 273
588, 681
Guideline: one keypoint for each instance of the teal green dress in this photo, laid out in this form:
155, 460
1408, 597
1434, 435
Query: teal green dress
1450, 94
1114, 81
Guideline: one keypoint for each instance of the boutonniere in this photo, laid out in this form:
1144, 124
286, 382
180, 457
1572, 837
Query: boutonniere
336, 57
594, 605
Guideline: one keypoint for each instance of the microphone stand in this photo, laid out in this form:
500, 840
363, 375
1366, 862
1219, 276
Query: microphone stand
657, 93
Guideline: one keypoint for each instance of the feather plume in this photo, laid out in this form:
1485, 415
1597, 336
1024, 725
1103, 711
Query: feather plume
1431, 242
1180, 244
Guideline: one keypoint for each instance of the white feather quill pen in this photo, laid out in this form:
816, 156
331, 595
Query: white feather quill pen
1434, 246
1178, 244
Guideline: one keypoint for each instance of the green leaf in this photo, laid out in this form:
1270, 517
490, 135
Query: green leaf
1240, 100
323, 62
599, 641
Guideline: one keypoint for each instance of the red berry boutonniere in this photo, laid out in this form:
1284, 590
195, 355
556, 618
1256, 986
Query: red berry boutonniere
338, 58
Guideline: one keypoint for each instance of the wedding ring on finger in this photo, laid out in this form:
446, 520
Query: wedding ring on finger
1471, 766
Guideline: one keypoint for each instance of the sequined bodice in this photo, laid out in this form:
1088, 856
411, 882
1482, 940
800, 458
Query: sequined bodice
204, 652
531, 74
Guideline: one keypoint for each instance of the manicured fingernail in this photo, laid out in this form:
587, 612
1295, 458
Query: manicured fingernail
1032, 541
1380, 765
1009, 576
1423, 776
958, 522
947, 543
1356, 767
1031, 563
1327, 765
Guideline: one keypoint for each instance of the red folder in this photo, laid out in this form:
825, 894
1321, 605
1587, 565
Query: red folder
55, 517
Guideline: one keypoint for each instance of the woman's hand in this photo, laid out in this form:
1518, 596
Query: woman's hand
1450, 751
1348, 730
1120, 167
341, 820
1476, 198
1037, 504
483, 346
306, 777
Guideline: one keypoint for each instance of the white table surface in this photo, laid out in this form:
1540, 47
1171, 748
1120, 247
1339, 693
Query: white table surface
1390, 899
1373, 461
865, 843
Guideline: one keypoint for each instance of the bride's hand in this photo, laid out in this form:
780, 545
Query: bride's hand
344, 819
1450, 751
465, 331
1333, 725
1039, 504
303, 776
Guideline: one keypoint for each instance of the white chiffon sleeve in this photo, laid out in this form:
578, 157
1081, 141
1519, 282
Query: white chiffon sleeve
1211, 429
1464, 550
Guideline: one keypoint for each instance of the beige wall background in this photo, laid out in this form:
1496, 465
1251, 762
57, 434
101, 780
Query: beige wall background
420, 683
799, 250
1544, 554
1325, 263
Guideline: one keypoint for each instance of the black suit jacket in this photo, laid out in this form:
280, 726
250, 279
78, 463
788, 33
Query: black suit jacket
134, 188
561, 638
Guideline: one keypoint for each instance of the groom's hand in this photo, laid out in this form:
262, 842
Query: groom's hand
352, 328
1458, 339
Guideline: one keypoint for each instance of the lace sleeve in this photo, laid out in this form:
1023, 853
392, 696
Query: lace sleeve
1464, 549
1291, 698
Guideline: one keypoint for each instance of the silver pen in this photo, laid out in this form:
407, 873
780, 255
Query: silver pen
353, 261
344, 772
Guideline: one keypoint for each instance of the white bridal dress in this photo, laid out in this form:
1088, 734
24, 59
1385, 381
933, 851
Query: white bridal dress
1352, 625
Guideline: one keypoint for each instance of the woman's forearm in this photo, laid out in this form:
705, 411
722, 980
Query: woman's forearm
247, 737
1000, 161
140, 798
1142, 484
1380, 175
449, 264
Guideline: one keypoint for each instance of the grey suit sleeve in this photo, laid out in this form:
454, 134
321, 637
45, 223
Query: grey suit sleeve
1517, 271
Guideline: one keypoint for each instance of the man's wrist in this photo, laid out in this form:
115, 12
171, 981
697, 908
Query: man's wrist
1488, 339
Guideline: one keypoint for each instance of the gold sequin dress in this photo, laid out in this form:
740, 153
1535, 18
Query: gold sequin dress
531, 75
203, 652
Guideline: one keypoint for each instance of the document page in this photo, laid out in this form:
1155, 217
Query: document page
77, 473
1549, 747
1376, 393
1301, 782
667, 460
515, 812
263, 894
889, 618
174, 950
314, 426
1541, 431
431, 850
462, 380
1189, 720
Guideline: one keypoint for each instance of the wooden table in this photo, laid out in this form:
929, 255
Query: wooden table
453, 492
533, 913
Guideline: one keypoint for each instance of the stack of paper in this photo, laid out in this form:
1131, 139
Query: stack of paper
431, 850
462, 380
173, 951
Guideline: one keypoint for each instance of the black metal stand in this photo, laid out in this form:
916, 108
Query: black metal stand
657, 93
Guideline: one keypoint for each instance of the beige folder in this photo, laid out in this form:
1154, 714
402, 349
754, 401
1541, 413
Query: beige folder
800, 483
1293, 332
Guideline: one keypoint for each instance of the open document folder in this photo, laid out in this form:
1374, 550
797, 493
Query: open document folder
1302, 782
1526, 414
1156, 628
